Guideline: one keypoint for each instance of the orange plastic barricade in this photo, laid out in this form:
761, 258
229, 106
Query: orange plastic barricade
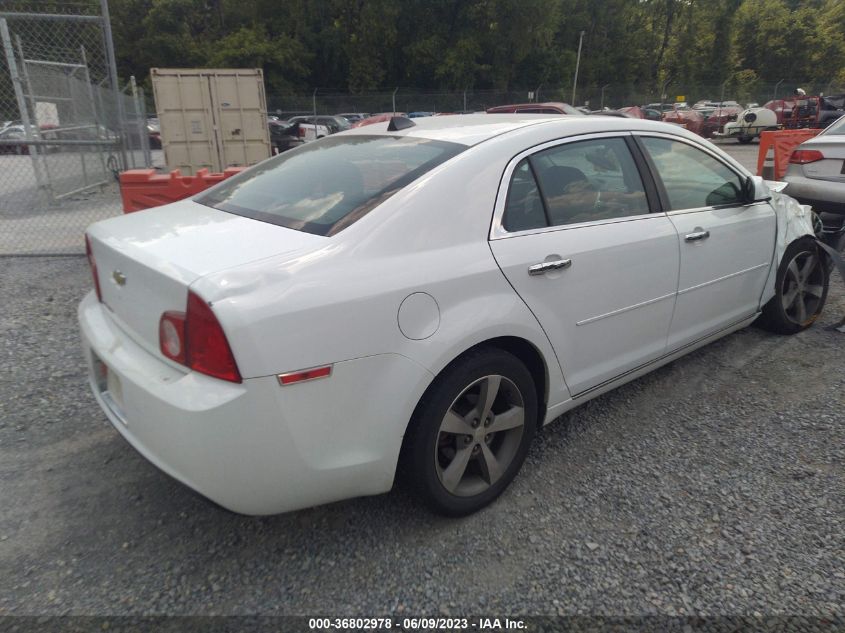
144, 188
783, 142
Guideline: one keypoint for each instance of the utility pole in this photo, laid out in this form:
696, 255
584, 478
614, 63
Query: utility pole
577, 64
394, 101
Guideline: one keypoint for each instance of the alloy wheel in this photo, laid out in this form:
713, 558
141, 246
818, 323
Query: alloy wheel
479, 436
803, 287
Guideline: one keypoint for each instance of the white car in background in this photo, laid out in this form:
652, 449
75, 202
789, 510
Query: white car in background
425, 296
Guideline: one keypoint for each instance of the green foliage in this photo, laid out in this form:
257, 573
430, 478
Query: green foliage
364, 45
743, 85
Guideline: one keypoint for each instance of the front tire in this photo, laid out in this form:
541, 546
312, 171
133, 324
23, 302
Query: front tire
471, 431
801, 289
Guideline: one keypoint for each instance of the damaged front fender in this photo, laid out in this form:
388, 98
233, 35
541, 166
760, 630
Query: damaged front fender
794, 220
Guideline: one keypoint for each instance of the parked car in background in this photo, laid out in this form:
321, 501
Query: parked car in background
831, 108
419, 114
536, 108
816, 172
422, 297
353, 117
660, 107
13, 137
307, 131
616, 113
716, 118
378, 118
284, 135
9, 123
334, 124
11, 140
692, 120
707, 104
636, 112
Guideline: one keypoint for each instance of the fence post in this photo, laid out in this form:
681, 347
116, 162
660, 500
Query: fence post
40, 180
95, 119
109, 46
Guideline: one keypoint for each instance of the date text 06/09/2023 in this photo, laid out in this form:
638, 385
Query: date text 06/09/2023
416, 624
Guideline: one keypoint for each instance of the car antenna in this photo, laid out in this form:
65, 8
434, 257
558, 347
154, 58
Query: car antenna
399, 123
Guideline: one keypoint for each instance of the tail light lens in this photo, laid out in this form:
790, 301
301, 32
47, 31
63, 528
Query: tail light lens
804, 156
171, 336
196, 339
301, 132
89, 253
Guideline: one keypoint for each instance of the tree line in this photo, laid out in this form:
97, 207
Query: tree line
357, 46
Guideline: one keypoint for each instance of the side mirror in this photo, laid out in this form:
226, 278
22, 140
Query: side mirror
754, 189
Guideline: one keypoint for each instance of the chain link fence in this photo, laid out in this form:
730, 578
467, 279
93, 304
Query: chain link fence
593, 95
66, 128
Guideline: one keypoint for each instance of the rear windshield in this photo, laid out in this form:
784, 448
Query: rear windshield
326, 185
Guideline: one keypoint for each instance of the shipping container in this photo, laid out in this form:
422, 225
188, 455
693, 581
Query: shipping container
211, 118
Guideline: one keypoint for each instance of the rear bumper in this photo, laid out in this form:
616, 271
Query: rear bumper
822, 195
255, 447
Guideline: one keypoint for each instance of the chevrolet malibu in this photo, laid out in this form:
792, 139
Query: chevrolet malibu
419, 297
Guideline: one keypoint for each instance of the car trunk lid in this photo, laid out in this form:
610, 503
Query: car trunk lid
832, 166
146, 261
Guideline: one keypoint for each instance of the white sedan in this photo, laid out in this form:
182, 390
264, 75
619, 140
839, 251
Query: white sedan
421, 297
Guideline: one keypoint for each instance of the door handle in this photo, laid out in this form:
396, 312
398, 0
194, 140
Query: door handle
698, 234
544, 267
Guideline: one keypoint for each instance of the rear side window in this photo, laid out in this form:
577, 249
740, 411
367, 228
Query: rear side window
692, 178
524, 207
326, 185
837, 127
590, 180
583, 181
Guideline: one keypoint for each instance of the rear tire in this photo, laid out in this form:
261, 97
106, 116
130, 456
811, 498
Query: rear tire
801, 289
471, 431
745, 140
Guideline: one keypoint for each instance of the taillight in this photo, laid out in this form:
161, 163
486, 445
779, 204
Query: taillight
171, 336
196, 339
804, 156
301, 132
89, 253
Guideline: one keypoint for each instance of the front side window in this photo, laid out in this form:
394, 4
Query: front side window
692, 178
326, 185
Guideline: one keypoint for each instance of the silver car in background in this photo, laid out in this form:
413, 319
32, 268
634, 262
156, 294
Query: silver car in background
816, 176
816, 173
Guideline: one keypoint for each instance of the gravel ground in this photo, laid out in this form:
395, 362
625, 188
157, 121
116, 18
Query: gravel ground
712, 486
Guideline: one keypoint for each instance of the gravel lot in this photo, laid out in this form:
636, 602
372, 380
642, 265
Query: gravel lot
715, 485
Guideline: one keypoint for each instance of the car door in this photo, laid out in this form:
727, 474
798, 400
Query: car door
726, 244
575, 235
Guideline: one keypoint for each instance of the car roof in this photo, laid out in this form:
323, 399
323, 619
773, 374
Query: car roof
471, 129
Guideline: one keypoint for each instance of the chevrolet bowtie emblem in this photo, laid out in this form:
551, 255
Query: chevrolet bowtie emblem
119, 278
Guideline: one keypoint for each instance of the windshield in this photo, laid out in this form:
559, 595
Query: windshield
837, 127
326, 185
